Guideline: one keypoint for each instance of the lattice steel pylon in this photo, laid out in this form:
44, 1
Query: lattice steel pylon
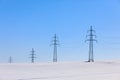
10, 59
91, 40
55, 44
33, 55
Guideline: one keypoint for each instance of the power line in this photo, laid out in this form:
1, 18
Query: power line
91, 39
55, 44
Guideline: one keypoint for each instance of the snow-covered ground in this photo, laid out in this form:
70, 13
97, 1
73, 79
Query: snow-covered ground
99, 70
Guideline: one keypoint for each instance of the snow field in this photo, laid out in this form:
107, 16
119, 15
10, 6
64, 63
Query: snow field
100, 70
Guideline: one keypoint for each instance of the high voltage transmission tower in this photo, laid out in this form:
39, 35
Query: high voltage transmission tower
32, 55
91, 39
10, 59
55, 44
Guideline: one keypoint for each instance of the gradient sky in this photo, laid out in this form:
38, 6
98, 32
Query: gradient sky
27, 24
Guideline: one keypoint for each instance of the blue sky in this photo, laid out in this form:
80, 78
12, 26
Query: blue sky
27, 24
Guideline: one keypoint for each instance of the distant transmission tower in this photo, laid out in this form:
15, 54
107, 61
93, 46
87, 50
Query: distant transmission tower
10, 59
55, 44
32, 55
91, 39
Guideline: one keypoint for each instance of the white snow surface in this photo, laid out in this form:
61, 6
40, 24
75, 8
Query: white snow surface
99, 70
